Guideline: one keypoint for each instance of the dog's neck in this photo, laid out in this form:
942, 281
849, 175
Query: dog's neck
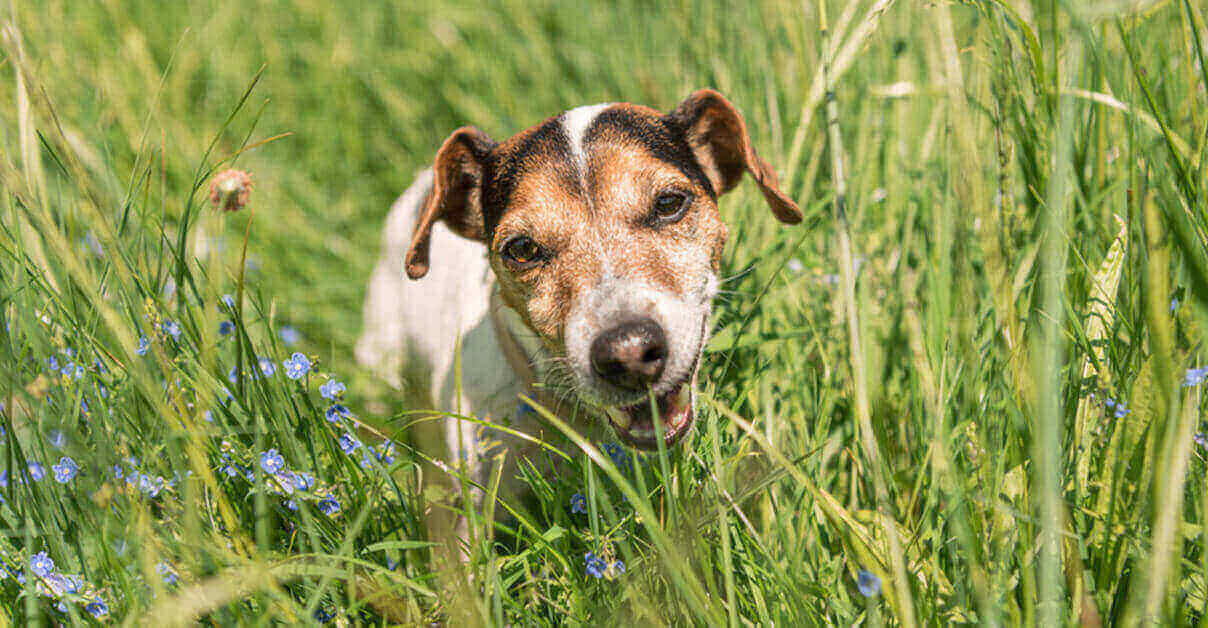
520, 345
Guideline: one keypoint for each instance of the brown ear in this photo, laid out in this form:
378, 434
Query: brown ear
456, 197
718, 138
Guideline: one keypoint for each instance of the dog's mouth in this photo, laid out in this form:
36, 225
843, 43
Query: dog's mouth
635, 424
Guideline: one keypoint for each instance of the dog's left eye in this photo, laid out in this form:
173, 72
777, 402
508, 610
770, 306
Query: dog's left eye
669, 207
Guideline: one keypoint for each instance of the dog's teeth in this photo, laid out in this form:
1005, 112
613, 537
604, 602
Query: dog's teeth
618, 418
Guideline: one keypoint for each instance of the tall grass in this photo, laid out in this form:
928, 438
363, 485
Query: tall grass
967, 390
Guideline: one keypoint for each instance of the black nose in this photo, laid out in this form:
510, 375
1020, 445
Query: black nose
630, 355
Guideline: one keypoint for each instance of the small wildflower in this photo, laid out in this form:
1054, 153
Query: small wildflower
595, 566
230, 190
329, 506
289, 335
143, 345
1201, 439
37, 471
57, 439
1174, 305
271, 462
1195, 377
868, 583
578, 503
794, 266
349, 443
332, 389
168, 572
97, 607
172, 328
302, 481
335, 411
1121, 411
619, 456
618, 568
228, 300
208, 416
149, 485
66, 470
297, 366
117, 471
41, 564
226, 328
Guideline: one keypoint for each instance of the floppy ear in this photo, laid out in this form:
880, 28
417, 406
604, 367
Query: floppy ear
718, 138
456, 196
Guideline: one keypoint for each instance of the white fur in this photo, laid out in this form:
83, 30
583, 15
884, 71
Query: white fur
576, 122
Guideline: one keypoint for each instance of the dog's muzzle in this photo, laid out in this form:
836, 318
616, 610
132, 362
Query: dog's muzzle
630, 357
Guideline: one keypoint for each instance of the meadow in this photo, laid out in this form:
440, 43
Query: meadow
967, 389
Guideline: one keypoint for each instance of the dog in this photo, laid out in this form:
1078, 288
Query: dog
575, 263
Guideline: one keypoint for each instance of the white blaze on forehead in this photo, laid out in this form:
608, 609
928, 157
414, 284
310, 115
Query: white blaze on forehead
576, 122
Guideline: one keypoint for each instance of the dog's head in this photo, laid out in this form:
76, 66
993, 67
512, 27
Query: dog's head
601, 225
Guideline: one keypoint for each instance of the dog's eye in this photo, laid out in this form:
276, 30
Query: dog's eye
522, 251
669, 207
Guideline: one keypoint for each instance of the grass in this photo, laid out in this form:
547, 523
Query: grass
1005, 217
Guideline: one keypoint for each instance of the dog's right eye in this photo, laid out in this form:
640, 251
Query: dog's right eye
522, 252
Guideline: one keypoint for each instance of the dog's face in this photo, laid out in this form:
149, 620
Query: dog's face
603, 230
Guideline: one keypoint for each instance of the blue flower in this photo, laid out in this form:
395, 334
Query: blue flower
297, 366
71, 370
1174, 305
385, 453
618, 568
37, 471
289, 335
868, 583
167, 571
226, 328
52, 363
97, 607
332, 389
302, 481
1195, 377
233, 375
595, 566
329, 506
149, 485
228, 300
117, 471
229, 470
1201, 439
66, 470
4, 478
271, 462
172, 328
57, 439
335, 411
619, 456
143, 345
1121, 411
578, 503
267, 367
41, 564
349, 443
208, 416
